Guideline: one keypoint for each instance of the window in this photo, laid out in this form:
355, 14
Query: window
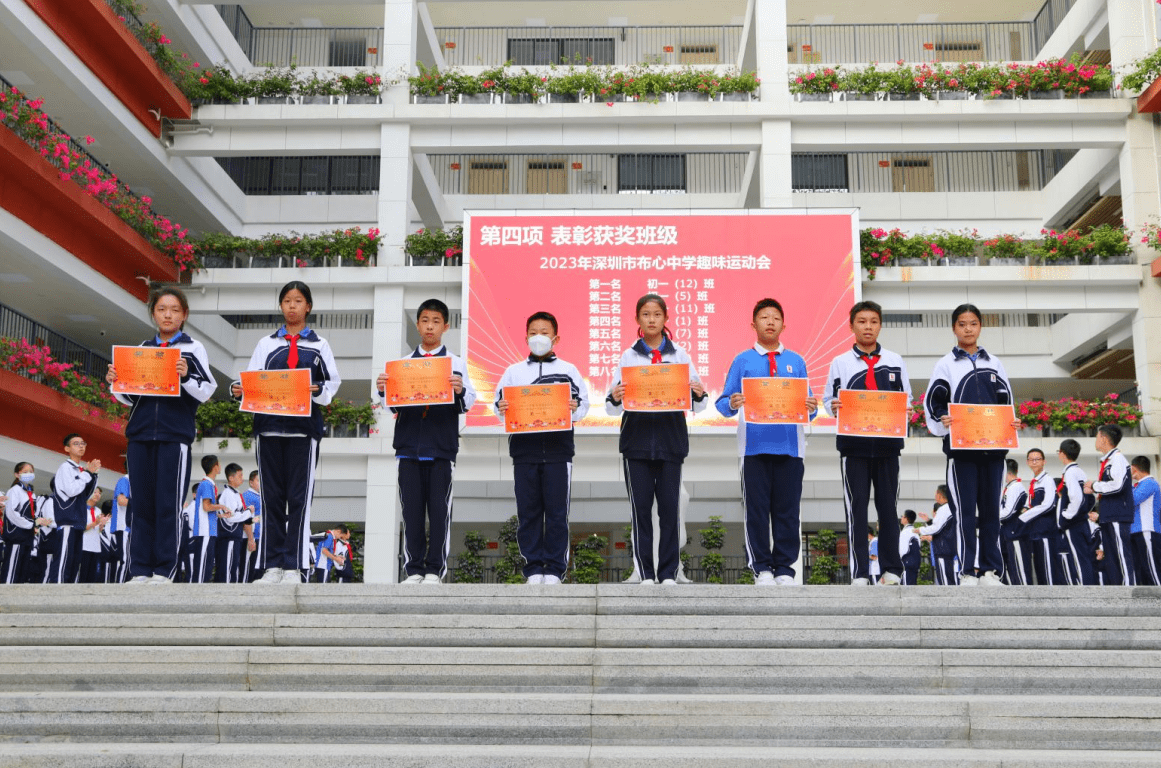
568, 50
699, 54
347, 53
303, 175
651, 173
819, 173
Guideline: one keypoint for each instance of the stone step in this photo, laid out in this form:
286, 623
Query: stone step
1015, 723
582, 631
437, 755
581, 670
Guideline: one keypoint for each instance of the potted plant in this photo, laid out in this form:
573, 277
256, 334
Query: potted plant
344, 418
431, 85
435, 247
644, 84
274, 85
901, 84
217, 250
739, 86
221, 418
1060, 247
862, 84
481, 89
362, 87
1111, 245
318, 89
958, 248
572, 86
815, 85
523, 88
1007, 250
694, 84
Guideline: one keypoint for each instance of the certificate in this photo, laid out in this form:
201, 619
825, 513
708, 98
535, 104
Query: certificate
653, 388
871, 413
146, 371
419, 381
538, 408
277, 393
982, 427
775, 400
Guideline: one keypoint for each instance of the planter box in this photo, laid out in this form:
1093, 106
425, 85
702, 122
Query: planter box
430, 99
272, 100
691, 96
1150, 98
32, 190
735, 96
1046, 95
475, 98
1124, 258
952, 95
362, 98
812, 97
103, 43
564, 98
902, 97
41, 416
1005, 261
266, 262
853, 96
960, 261
1096, 95
912, 262
316, 99
519, 98
219, 262
433, 260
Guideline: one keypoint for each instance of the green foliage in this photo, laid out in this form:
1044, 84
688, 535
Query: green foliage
1108, 241
275, 82
361, 83
587, 560
222, 417
1144, 71
712, 539
445, 243
509, 570
745, 576
825, 564
351, 247
348, 414
470, 564
431, 81
358, 537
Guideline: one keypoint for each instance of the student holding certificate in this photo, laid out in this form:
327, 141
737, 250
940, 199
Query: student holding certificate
771, 453
287, 445
655, 438
160, 431
968, 374
542, 460
870, 460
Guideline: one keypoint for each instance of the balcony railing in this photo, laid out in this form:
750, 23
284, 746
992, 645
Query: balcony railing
528, 46
16, 325
966, 171
338, 175
590, 174
306, 47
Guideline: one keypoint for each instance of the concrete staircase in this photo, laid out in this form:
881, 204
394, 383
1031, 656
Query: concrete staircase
612, 676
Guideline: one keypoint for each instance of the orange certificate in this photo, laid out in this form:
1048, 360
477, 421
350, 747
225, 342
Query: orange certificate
661, 387
982, 427
775, 400
419, 381
146, 371
538, 408
278, 393
871, 413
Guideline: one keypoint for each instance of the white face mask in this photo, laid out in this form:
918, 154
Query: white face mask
27, 477
540, 345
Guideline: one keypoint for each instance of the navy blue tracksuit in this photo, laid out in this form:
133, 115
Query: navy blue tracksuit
74, 486
1115, 486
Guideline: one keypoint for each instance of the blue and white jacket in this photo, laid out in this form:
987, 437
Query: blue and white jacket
233, 526
171, 419
1070, 497
544, 447
1147, 502
20, 514
314, 353
654, 436
958, 378
759, 439
203, 523
427, 432
849, 371
74, 486
1115, 486
119, 516
254, 499
1039, 519
943, 532
1012, 500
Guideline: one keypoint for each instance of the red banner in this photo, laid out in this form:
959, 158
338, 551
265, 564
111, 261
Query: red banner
589, 270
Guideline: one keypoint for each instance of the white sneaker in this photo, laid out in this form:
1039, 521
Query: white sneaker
990, 579
139, 580
415, 578
669, 583
550, 579
860, 582
536, 578
647, 581
784, 581
292, 576
271, 576
765, 579
891, 580
431, 578
968, 581
159, 579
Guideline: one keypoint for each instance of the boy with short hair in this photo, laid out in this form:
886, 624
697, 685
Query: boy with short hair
1039, 522
1071, 515
910, 549
772, 454
542, 461
234, 529
204, 526
1014, 545
1146, 530
73, 485
331, 553
1114, 486
941, 532
426, 442
869, 461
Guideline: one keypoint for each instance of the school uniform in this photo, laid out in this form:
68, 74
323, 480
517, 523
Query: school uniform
40, 554
868, 462
910, 553
942, 530
252, 498
183, 566
1072, 508
974, 477
160, 431
653, 448
323, 564
287, 447
74, 486
542, 468
203, 530
1146, 531
1114, 485
873, 556
426, 442
1015, 546
20, 515
1096, 544
346, 574
772, 467
117, 569
1039, 522
230, 542
90, 570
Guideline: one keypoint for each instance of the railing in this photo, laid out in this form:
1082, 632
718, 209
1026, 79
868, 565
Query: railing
528, 46
958, 171
1048, 19
991, 320
332, 175
590, 174
240, 26
304, 46
16, 325
323, 321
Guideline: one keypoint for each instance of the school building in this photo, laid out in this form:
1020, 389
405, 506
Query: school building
74, 277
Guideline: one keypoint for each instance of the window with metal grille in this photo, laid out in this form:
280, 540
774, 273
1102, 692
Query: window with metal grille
304, 175
819, 173
651, 173
558, 50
